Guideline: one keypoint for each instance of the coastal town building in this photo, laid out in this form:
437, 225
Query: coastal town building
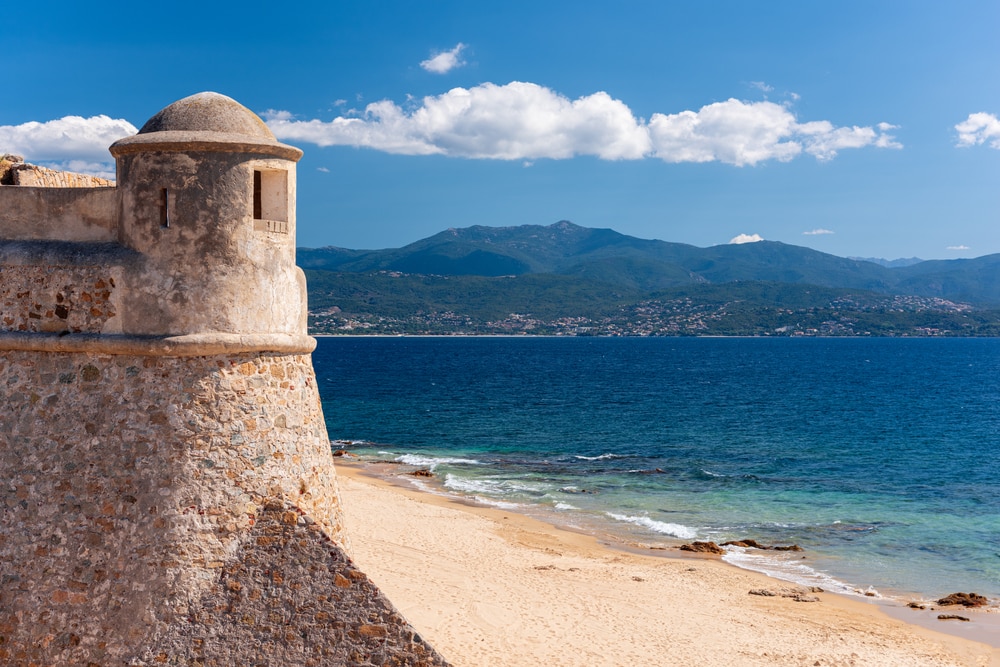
167, 491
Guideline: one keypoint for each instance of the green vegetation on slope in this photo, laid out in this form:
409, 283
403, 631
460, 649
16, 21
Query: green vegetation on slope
388, 302
570, 280
606, 256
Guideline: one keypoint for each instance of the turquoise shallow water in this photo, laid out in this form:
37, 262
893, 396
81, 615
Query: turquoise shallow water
878, 456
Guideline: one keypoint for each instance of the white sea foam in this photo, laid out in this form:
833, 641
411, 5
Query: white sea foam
786, 568
422, 485
565, 506
433, 462
673, 529
602, 457
472, 486
500, 503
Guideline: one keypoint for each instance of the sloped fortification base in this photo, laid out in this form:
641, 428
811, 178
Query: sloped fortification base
133, 487
291, 597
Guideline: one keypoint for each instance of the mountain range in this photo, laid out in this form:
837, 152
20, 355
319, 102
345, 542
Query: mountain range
640, 266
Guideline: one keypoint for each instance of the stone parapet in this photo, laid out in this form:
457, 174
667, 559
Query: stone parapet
82, 214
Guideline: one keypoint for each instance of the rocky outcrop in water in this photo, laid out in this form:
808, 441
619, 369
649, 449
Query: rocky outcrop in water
754, 544
964, 599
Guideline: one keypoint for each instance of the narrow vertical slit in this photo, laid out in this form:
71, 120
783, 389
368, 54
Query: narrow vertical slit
257, 207
165, 208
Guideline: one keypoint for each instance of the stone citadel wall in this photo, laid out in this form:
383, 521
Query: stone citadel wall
167, 490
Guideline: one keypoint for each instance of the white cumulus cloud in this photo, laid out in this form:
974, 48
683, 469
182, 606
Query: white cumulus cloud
979, 128
68, 138
746, 238
817, 232
734, 132
517, 121
958, 247
742, 133
444, 62
526, 121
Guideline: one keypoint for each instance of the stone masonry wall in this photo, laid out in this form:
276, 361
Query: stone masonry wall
78, 299
127, 483
167, 491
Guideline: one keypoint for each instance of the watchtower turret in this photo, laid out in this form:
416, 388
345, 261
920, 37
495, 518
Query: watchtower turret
169, 493
206, 195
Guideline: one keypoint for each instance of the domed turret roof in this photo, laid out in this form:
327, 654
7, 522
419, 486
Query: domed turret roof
205, 122
208, 112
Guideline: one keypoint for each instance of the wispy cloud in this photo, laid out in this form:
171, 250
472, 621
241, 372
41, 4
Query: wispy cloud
817, 232
958, 247
71, 143
323, 169
979, 128
745, 238
274, 114
444, 62
526, 121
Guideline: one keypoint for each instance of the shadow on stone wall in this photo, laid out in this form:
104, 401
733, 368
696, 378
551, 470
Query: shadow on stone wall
291, 596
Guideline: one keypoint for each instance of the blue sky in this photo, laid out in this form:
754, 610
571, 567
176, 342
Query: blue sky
856, 128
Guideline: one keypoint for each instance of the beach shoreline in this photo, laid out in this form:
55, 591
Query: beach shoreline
489, 586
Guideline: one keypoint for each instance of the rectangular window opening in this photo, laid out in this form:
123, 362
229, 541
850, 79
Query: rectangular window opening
257, 207
270, 200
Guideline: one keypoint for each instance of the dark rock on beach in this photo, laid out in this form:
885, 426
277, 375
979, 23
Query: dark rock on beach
703, 548
964, 599
764, 592
423, 472
952, 617
754, 544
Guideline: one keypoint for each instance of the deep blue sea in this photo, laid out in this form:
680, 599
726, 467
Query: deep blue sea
877, 456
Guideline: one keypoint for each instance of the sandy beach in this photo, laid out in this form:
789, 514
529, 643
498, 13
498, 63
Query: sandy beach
491, 587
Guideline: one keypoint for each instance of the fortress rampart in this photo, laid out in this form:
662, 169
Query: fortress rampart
167, 491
